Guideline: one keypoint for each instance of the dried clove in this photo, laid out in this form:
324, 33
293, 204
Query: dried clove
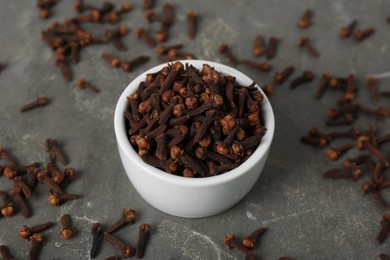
147, 4
58, 199
26, 232
272, 46
372, 87
36, 241
67, 230
305, 20
306, 76
385, 228
40, 102
143, 234
82, 84
7, 209
49, 182
141, 33
259, 66
115, 62
16, 194
348, 30
53, 149
230, 242
324, 83
334, 153
353, 173
258, 48
7, 157
128, 216
305, 43
114, 36
224, 49
250, 241
192, 17
126, 250
280, 77
376, 152
129, 66
361, 35
96, 232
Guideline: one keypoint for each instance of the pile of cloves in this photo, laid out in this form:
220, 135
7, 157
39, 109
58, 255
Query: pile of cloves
247, 244
372, 162
25, 179
194, 123
68, 38
128, 217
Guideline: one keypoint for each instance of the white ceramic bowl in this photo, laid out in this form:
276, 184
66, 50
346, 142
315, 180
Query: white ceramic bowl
191, 197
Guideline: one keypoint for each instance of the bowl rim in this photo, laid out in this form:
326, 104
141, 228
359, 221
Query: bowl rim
124, 144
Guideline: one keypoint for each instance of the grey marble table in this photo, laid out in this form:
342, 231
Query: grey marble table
308, 217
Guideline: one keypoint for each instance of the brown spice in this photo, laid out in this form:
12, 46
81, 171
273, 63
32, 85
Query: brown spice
305, 20
67, 230
348, 30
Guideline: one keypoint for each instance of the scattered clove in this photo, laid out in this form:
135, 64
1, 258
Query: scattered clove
147, 4
58, 199
230, 242
305, 43
361, 35
96, 232
305, 20
224, 49
7, 209
324, 83
334, 153
40, 102
192, 17
258, 48
280, 77
272, 45
141, 33
353, 173
36, 241
16, 194
26, 232
128, 216
144, 230
259, 66
55, 152
67, 230
126, 250
372, 87
129, 66
82, 84
385, 228
115, 62
306, 76
250, 241
348, 30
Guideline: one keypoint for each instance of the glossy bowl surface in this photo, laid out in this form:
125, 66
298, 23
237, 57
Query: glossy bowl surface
191, 197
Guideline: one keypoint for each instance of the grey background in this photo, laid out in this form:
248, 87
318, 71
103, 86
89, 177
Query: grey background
308, 217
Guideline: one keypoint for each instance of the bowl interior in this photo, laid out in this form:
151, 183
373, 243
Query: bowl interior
123, 142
